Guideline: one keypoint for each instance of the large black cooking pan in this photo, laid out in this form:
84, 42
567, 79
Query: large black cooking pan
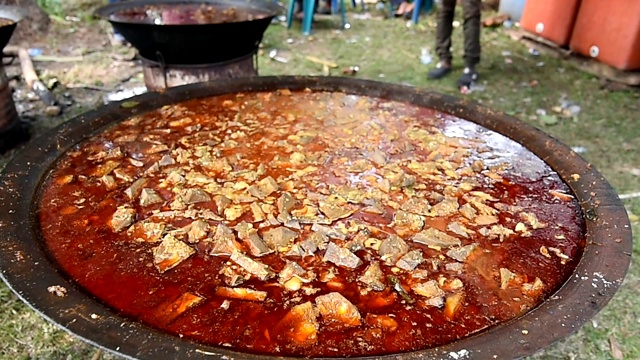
195, 43
29, 271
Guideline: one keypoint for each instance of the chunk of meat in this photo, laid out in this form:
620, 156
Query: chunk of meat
336, 309
497, 232
461, 253
290, 270
373, 277
320, 240
532, 219
448, 206
169, 311
392, 248
452, 304
305, 248
263, 188
175, 177
429, 289
410, 260
406, 223
533, 289
253, 241
224, 241
385, 322
198, 230
506, 276
308, 214
256, 212
279, 237
105, 168
335, 207
122, 218
285, 203
170, 253
468, 211
232, 275
435, 237
416, 205
341, 256
233, 212
241, 293
166, 160
329, 231
457, 228
300, 325
134, 189
148, 231
454, 267
149, 197
193, 196
109, 182
253, 267
486, 219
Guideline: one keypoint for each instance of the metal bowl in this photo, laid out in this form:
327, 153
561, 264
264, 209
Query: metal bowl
28, 270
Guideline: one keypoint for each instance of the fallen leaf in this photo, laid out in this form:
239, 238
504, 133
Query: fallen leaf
616, 353
548, 119
129, 104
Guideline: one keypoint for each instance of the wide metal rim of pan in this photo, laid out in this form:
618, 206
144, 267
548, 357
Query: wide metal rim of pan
28, 271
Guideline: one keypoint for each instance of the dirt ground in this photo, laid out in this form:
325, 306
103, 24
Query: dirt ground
80, 64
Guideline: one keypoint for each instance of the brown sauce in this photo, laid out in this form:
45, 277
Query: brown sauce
6, 22
373, 170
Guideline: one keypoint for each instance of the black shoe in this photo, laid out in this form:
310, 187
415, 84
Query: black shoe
439, 72
468, 77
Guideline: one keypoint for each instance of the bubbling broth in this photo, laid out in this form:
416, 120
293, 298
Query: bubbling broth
310, 224
184, 14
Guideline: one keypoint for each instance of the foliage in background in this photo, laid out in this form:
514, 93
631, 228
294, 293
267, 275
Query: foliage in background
78, 8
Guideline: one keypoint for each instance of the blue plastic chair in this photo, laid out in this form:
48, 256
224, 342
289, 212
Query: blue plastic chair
308, 7
425, 5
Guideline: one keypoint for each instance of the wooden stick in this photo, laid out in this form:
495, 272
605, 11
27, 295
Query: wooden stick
50, 58
629, 196
97, 355
29, 74
322, 62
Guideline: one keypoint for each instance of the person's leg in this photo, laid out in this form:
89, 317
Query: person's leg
444, 29
471, 10
446, 12
471, 25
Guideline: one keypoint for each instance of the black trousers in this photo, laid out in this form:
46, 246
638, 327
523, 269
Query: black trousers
471, 26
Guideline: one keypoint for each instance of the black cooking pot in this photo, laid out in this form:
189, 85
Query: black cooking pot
172, 42
13, 13
28, 270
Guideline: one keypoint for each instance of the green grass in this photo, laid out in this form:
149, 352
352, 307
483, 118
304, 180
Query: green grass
387, 50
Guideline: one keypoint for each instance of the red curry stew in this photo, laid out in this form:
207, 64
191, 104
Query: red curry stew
310, 223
